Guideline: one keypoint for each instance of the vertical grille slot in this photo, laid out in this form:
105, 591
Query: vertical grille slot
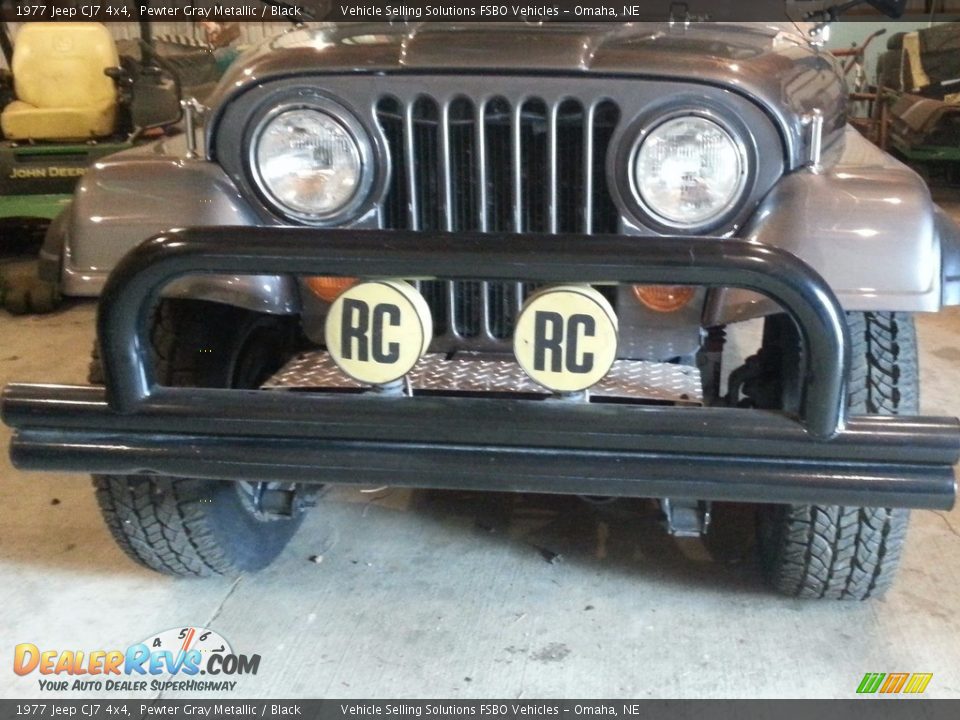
462, 167
534, 167
427, 169
606, 218
503, 300
498, 165
396, 206
424, 130
571, 172
527, 166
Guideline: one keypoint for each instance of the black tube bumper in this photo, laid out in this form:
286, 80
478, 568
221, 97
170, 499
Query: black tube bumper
135, 426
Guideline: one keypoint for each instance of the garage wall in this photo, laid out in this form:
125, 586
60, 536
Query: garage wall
845, 34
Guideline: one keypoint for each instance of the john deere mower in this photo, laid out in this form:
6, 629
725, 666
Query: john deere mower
68, 99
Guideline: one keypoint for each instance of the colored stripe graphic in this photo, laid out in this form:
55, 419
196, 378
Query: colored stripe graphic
893, 683
918, 682
870, 683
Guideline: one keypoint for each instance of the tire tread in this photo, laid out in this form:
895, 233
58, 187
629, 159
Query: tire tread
850, 553
164, 522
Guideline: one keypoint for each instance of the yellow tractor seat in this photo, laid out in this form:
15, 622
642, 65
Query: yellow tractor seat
59, 81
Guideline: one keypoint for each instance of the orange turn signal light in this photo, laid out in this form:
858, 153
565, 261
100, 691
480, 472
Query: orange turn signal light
664, 298
328, 288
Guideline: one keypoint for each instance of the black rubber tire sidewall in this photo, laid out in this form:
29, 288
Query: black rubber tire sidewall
202, 344
849, 553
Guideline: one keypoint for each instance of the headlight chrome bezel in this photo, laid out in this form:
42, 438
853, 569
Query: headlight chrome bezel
641, 131
358, 134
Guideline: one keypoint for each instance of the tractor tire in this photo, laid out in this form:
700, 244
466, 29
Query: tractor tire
22, 292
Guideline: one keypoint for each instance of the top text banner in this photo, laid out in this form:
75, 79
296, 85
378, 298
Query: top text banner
445, 10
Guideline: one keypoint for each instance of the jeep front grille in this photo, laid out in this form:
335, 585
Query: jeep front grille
499, 165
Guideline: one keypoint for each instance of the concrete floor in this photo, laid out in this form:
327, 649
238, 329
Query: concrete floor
454, 594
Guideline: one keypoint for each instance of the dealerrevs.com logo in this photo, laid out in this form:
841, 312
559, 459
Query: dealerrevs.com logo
189, 659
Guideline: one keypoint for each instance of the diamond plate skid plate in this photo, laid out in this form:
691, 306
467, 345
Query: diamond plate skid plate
475, 373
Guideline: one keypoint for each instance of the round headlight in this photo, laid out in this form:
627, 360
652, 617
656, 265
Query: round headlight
688, 172
308, 163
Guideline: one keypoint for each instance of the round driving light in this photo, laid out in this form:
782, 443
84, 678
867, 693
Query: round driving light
566, 337
308, 163
377, 331
688, 171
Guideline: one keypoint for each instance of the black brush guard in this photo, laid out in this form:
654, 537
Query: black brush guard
135, 426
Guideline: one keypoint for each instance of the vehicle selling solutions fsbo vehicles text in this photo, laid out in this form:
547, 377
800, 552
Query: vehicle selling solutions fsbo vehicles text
437, 11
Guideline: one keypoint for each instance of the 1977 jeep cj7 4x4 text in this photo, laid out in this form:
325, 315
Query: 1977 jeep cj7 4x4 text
503, 258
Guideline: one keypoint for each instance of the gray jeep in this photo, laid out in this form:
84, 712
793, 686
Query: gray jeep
504, 258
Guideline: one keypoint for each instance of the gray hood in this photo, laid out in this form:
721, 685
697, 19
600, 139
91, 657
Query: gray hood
771, 63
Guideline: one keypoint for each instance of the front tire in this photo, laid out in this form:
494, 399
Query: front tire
849, 553
202, 527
